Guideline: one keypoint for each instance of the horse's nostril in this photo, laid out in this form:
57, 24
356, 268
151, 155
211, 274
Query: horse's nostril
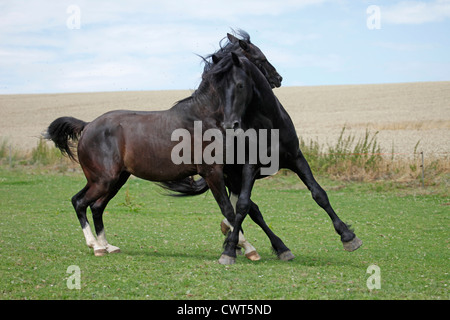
231, 125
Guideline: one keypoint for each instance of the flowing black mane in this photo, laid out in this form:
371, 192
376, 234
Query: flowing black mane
213, 77
232, 46
225, 49
217, 65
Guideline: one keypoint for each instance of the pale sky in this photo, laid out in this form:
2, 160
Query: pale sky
85, 46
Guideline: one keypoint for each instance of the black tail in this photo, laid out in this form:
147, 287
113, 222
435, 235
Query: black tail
62, 130
185, 187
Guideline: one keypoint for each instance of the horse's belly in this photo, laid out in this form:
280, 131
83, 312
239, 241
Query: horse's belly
150, 157
161, 170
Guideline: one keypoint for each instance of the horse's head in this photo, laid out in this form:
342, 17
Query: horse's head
238, 93
255, 55
231, 83
235, 82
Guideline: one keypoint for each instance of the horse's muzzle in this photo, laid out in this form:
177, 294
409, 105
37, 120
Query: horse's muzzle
276, 81
231, 125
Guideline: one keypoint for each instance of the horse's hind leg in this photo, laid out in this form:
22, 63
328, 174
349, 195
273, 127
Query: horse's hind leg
80, 202
98, 207
97, 195
348, 238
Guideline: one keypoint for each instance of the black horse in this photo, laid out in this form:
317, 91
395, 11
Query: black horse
245, 47
264, 110
120, 143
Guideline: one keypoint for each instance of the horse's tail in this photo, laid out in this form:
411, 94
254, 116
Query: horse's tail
185, 187
62, 130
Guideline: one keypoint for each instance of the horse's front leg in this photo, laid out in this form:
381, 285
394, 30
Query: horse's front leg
283, 252
249, 249
213, 176
242, 208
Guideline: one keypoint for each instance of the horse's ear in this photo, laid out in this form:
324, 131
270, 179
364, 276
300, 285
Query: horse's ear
232, 38
215, 59
243, 45
235, 59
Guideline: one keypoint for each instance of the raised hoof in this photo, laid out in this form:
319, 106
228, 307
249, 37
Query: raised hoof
224, 228
353, 244
286, 256
253, 256
112, 249
100, 252
226, 260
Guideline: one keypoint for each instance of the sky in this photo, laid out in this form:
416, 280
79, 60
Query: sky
88, 46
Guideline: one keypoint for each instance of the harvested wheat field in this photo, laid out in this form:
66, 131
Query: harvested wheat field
404, 113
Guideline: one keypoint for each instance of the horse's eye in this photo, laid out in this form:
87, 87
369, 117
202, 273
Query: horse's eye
240, 86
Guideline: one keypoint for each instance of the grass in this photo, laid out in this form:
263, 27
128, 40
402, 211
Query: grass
170, 246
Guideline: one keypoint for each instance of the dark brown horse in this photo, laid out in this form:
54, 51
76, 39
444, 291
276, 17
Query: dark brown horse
120, 143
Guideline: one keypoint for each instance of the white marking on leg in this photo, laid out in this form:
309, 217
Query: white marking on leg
242, 241
245, 244
101, 237
99, 250
227, 224
233, 199
89, 236
112, 249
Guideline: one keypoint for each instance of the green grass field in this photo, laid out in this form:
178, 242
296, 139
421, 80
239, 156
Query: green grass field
170, 247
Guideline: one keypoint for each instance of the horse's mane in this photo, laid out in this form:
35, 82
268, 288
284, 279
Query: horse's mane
226, 49
208, 96
213, 73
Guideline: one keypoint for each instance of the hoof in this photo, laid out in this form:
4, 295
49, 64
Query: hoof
224, 228
353, 244
100, 252
227, 260
286, 256
239, 251
112, 249
253, 256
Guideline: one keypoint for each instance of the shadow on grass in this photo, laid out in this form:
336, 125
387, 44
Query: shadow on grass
301, 260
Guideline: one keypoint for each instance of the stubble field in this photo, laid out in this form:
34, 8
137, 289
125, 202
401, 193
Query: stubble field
404, 114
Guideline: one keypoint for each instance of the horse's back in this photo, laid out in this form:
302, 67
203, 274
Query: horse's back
138, 142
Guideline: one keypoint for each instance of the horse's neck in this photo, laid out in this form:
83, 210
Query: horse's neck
198, 107
268, 105
270, 113
284, 115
